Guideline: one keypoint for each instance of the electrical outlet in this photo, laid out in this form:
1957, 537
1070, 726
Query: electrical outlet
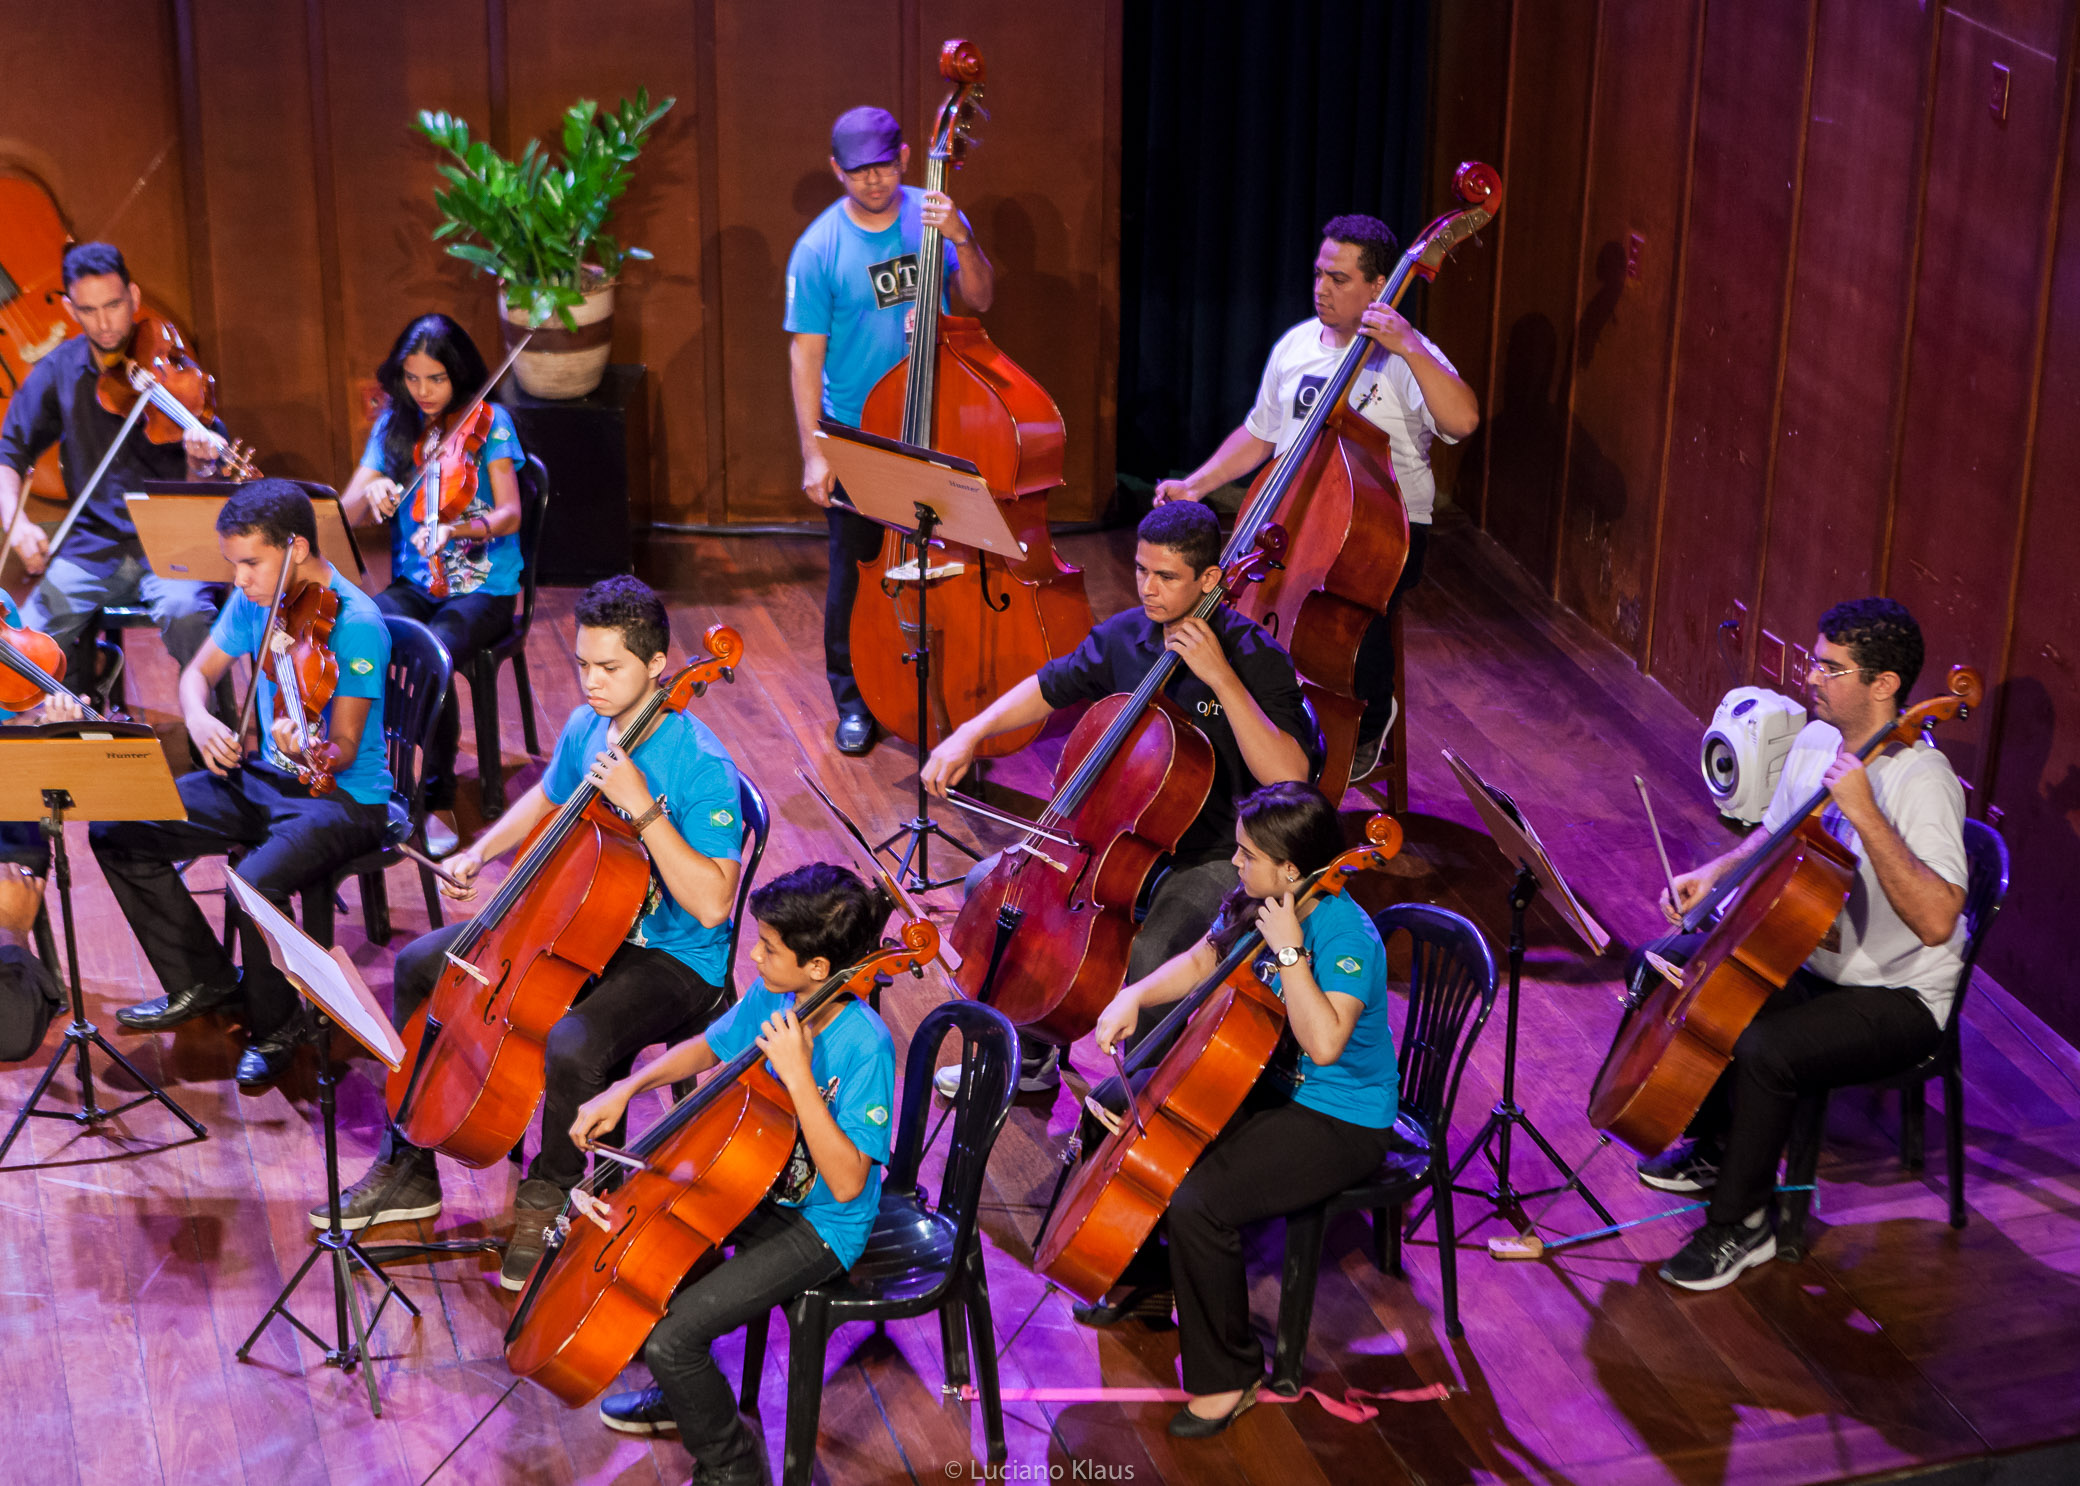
1736, 626
1769, 660
1801, 665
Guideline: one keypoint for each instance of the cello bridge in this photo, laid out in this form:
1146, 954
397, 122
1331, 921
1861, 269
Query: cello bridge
906, 572
1037, 854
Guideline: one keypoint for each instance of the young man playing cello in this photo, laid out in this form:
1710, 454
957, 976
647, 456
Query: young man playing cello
1409, 390
1237, 684
840, 1072
679, 788
851, 291
291, 836
1873, 999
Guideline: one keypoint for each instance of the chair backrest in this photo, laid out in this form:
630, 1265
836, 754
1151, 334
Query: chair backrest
414, 687
989, 1079
1451, 978
1985, 886
758, 822
534, 509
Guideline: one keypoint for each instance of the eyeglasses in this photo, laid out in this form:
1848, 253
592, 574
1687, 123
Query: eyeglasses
875, 171
1834, 673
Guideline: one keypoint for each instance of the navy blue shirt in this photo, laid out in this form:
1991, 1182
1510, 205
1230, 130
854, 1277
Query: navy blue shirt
55, 405
1118, 654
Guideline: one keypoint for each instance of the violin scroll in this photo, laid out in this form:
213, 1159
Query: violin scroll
1966, 690
1263, 557
1383, 838
725, 649
953, 129
1477, 184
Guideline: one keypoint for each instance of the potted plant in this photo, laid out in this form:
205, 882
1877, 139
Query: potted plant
538, 227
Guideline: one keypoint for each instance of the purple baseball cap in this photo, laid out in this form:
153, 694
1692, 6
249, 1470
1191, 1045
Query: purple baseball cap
865, 136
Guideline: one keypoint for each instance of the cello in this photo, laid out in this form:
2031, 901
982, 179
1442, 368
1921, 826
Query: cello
33, 322
994, 622
1773, 909
1131, 780
1114, 1201
602, 1285
475, 1053
1334, 494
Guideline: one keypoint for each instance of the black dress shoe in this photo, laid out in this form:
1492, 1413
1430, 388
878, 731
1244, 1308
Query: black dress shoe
1186, 1425
269, 1058
162, 1012
855, 733
1152, 1308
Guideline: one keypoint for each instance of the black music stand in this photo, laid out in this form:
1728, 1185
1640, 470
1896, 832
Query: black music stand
1516, 840
90, 771
330, 982
923, 494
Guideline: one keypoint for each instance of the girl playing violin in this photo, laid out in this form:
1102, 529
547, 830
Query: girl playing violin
457, 573
813, 1226
1302, 1135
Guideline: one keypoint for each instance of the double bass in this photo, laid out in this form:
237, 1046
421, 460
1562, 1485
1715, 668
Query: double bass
33, 322
1772, 911
1334, 495
994, 622
1114, 1201
603, 1283
475, 1059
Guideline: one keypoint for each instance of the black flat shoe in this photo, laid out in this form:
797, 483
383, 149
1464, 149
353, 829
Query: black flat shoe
163, 1012
1152, 1308
1186, 1425
269, 1058
855, 733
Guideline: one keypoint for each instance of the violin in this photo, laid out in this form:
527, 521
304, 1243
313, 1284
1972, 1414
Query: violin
476, 1054
32, 667
603, 1281
1230, 1027
1333, 495
994, 622
1772, 911
305, 672
181, 397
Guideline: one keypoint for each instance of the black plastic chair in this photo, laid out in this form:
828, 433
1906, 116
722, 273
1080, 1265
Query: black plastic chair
919, 1258
481, 670
1986, 884
1451, 979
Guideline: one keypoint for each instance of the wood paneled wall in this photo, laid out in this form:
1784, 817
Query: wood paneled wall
1784, 308
282, 207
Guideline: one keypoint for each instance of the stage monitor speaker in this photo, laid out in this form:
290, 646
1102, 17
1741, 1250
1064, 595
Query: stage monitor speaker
1744, 749
597, 451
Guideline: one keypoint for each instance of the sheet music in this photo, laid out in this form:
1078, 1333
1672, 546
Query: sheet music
1507, 825
327, 977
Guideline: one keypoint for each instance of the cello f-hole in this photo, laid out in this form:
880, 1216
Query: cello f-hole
988, 602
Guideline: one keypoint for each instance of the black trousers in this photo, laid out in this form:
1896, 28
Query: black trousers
466, 623
1811, 1036
777, 1256
1375, 665
644, 996
292, 840
853, 539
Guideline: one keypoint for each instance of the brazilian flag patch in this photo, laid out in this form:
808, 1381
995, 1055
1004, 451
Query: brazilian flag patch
361, 665
1348, 965
878, 1114
720, 817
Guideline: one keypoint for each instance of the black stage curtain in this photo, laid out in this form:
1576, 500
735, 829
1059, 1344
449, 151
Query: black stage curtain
1247, 126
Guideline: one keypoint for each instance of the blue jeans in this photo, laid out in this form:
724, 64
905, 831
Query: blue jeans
66, 599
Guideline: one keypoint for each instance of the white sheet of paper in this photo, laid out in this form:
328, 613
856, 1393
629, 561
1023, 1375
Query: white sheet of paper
328, 977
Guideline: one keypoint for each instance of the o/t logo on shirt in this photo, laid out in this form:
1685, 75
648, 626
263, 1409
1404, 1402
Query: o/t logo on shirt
1306, 395
894, 280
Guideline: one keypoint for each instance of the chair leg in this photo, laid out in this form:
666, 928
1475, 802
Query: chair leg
1913, 1127
375, 907
483, 705
523, 684
983, 1333
1386, 1242
1445, 1224
953, 1339
1303, 1265
1801, 1161
755, 1336
808, 1334
1953, 1131
432, 892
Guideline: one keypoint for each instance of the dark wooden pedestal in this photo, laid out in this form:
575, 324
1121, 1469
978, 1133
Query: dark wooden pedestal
597, 451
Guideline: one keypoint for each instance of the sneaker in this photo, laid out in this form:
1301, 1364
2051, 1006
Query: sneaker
641, 1411
1039, 1068
1370, 756
440, 835
946, 1083
1686, 1166
535, 1207
1718, 1252
389, 1192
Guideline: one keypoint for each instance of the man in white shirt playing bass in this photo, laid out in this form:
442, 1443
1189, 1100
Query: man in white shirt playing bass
1408, 389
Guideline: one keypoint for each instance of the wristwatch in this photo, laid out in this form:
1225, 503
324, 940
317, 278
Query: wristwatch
1288, 957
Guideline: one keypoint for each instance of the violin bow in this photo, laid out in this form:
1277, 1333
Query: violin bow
896, 894
476, 402
281, 586
79, 502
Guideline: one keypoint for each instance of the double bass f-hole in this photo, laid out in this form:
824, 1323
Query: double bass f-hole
993, 603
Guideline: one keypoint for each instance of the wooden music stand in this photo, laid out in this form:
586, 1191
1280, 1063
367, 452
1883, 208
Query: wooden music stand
87, 771
176, 523
1519, 843
927, 496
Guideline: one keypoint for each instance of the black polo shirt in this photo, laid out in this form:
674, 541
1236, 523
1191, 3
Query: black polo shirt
55, 405
1118, 654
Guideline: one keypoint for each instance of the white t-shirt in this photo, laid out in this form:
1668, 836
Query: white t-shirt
1918, 792
1385, 391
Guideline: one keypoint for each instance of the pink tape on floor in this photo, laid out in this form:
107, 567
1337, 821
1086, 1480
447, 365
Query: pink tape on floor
1356, 1405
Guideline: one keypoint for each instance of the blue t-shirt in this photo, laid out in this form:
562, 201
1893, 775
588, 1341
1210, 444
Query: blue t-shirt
854, 1063
857, 287
491, 566
362, 642
686, 764
1364, 1085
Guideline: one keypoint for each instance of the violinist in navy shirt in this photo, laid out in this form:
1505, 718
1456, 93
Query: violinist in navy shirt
851, 298
838, 1066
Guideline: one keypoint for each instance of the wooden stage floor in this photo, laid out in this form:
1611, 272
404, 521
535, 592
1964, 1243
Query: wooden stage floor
132, 1265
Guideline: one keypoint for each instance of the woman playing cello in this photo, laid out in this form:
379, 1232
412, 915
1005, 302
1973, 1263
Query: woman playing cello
457, 572
1300, 1136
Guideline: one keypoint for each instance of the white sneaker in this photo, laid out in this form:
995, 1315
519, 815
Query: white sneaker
1371, 753
440, 836
946, 1083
